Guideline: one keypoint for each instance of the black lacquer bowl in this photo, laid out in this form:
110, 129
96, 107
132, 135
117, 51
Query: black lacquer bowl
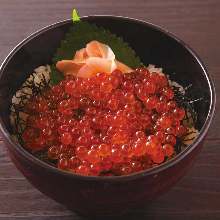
92, 196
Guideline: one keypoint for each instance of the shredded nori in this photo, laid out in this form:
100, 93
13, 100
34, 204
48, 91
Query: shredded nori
184, 101
19, 108
42, 155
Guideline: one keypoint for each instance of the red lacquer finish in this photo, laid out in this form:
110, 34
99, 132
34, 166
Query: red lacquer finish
95, 197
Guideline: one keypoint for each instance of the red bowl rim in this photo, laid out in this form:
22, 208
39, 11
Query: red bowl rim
150, 171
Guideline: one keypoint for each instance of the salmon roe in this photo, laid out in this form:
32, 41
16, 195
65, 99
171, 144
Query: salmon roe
109, 124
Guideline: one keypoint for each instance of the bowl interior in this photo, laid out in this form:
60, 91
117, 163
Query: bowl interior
153, 46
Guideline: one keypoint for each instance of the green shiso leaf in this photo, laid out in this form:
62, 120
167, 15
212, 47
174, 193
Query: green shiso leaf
55, 76
75, 16
82, 33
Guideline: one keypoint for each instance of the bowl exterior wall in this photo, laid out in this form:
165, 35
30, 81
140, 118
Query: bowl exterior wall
102, 197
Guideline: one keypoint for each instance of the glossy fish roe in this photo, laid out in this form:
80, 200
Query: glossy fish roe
109, 124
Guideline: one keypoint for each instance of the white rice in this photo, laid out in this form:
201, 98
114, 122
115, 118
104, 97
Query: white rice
40, 73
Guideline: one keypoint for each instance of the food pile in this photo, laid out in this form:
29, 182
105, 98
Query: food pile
91, 114
108, 124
